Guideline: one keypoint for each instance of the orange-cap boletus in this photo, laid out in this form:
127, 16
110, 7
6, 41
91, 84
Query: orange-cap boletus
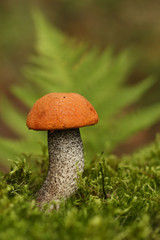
61, 114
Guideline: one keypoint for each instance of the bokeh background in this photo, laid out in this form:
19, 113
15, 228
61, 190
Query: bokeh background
121, 24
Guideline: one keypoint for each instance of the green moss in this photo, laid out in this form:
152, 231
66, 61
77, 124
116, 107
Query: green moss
118, 199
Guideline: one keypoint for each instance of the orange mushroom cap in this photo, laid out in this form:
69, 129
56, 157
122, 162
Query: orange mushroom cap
61, 111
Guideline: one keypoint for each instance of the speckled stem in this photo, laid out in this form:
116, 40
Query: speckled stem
66, 158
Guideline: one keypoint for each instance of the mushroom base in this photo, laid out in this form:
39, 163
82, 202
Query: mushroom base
66, 159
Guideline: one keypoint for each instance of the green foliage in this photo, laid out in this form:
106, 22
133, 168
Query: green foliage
61, 64
117, 199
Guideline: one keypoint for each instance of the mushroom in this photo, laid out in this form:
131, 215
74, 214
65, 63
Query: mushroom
61, 114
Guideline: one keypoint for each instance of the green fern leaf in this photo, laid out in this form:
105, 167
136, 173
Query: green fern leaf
62, 65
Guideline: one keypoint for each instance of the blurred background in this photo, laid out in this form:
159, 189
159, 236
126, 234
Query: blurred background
118, 23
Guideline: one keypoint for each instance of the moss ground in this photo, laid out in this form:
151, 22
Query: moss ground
118, 199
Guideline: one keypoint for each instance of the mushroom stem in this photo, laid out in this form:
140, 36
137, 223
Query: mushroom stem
66, 158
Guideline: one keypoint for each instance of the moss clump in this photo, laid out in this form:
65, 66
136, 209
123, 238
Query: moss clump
117, 199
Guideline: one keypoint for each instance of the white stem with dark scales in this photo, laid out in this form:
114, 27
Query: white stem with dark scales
66, 158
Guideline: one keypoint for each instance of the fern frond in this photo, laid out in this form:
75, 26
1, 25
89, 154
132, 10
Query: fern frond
32, 143
120, 96
28, 94
132, 123
12, 117
62, 65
